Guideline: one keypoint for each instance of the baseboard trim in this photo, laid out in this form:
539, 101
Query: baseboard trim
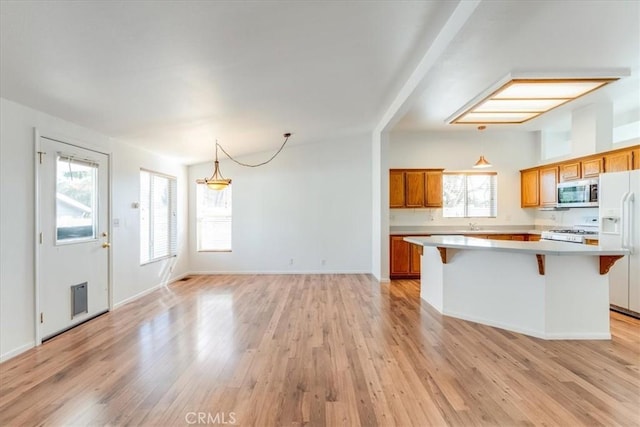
148, 291
17, 351
272, 273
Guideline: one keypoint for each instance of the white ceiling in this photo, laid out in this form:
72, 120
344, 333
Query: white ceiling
173, 76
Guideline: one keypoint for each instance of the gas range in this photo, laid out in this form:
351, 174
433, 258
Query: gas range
573, 235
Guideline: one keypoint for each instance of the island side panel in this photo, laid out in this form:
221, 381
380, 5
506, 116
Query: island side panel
500, 289
431, 280
577, 298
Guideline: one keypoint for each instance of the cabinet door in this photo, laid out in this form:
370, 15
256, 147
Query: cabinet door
548, 186
570, 171
617, 162
534, 237
433, 189
499, 236
592, 168
529, 196
415, 259
396, 189
400, 256
414, 194
635, 157
519, 237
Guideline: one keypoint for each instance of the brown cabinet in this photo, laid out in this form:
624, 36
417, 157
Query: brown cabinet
400, 256
405, 259
433, 189
591, 168
548, 186
538, 185
570, 171
529, 188
415, 188
617, 162
534, 237
396, 189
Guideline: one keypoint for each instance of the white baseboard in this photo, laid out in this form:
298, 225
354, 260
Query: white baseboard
148, 291
242, 273
15, 352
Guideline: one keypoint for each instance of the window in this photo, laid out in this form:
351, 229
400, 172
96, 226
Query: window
76, 200
158, 219
213, 216
469, 195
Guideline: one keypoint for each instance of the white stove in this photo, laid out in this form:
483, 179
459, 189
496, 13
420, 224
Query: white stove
569, 235
576, 234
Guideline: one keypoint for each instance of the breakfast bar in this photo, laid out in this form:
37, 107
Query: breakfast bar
546, 289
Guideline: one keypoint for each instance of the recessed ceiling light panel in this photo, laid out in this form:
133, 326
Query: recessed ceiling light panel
520, 100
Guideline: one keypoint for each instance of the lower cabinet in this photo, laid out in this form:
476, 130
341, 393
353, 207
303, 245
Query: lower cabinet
405, 259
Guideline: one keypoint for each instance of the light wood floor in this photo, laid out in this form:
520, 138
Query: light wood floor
323, 350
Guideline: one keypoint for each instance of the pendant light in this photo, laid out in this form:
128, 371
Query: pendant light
218, 182
482, 163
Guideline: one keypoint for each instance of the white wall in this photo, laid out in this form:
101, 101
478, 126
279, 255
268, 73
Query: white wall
508, 152
312, 203
17, 211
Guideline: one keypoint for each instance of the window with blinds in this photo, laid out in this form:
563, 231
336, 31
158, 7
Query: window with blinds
469, 194
213, 219
158, 216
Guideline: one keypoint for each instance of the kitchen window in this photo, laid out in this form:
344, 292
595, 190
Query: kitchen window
213, 219
158, 216
469, 195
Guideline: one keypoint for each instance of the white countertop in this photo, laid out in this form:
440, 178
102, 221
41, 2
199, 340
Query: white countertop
543, 247
399, 230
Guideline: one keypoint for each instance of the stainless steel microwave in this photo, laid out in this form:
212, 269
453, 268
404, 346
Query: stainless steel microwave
578, 194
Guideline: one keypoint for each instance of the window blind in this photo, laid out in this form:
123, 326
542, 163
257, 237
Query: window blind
158, 216
469, 194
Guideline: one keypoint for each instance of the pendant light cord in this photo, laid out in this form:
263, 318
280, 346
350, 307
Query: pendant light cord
286, 138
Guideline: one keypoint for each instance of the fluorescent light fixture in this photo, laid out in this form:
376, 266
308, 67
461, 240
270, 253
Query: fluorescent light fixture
520, 100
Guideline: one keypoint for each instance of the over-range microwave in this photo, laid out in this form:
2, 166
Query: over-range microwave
578, 194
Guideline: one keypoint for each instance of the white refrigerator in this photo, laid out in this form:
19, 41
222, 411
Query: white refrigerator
619, 201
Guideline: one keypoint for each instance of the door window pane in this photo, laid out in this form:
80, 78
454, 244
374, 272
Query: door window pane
76, 200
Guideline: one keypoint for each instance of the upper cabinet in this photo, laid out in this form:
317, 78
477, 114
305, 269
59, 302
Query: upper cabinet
548, 186
538, 186
618, 161
396, 189
591, 168
530, 188
570, 171
415, 188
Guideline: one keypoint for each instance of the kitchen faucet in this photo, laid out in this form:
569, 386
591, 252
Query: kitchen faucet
473, 226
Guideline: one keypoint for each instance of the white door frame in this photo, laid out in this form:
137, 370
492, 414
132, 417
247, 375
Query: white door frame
37, 226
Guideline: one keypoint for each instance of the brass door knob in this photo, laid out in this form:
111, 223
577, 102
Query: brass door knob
106, 245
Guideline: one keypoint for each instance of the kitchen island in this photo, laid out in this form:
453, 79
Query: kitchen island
546, 289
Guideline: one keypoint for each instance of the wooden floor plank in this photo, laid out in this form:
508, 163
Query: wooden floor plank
315, 350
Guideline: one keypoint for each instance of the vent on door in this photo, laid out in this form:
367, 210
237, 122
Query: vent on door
79, 299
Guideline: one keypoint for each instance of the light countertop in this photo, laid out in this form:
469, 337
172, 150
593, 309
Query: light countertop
543, 247
439, 230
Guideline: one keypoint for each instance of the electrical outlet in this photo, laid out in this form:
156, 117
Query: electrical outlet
291, 261
323, 262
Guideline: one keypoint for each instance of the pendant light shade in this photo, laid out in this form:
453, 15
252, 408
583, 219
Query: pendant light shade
216, 181
482, 163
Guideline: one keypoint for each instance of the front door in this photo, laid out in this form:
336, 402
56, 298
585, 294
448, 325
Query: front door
73, 219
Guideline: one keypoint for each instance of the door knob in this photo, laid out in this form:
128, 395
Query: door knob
106, 245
